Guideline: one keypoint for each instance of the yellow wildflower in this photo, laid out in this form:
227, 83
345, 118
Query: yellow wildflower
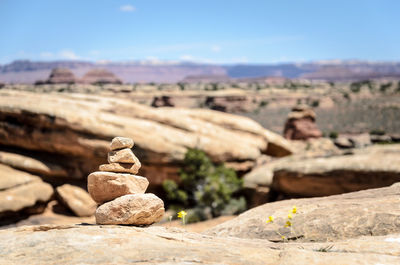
288, 223
182, 214
294, 209
270, 219
290, 216
283, 237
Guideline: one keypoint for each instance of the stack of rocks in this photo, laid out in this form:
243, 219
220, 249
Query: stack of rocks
121, 193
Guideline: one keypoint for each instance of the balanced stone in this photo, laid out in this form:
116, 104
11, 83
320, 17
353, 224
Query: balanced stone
121, 143
106, 186
121, 167
122, 156
137, 209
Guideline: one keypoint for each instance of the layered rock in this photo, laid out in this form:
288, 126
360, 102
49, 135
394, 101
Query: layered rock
21, 194
370, 168
100, 76
351, 215
122, 194
76, 138
61, 76
82, 244
300, 124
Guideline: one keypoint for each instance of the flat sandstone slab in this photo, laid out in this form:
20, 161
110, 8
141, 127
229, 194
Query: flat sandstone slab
135, 209
122, 156
77, 199
121, 167
121, 143
106, 186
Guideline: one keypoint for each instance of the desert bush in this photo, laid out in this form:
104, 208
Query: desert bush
206, 190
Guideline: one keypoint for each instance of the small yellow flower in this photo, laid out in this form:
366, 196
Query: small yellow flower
294, 209
283, 237
288, 223
290, 216
270, 219
182, 214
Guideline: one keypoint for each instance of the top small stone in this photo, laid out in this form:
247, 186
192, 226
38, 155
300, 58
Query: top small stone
120, 143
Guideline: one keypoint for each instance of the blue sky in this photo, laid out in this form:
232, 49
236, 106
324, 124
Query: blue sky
210, 31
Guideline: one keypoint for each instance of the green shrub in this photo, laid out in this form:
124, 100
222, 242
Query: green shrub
333, 135
205, 190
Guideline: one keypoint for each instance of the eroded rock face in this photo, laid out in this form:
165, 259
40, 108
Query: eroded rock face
137, 209
77, 200
61, 76
338, 174
77, 244
370, 212
106, 186
77, 138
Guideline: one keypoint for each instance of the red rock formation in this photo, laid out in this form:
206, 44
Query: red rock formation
300, 124
61, 76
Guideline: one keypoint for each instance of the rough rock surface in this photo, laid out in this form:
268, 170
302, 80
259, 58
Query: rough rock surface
369, 212
77, 200
83, 244
122, 167
300, 124
77, 137
21, 193
32, 165
137, 209
122, 156
106, 186
338, 174
100, 76
121, 143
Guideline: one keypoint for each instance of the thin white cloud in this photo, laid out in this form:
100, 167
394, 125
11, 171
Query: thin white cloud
46, 55
216, 48
69, 55
127, 8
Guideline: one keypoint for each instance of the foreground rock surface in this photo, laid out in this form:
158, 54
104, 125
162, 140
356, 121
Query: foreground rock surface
137, 209
83, 244
77, 200
106, 186
350, 215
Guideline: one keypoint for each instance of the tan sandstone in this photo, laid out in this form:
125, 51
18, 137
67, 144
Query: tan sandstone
77, 199
137, 209
122, 156
106, 186
121, 167
121, 143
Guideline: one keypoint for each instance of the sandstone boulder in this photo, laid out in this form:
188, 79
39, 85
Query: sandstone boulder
21, 194
300, 124
32, 165
137, 209
83, 244
106, 186
77, 200
351, 215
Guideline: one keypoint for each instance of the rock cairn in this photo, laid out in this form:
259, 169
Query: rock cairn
121, 193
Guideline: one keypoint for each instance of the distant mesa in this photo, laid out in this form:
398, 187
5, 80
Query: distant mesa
100, 76
59, 76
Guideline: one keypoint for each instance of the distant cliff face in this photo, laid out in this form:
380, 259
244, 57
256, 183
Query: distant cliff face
25, 71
